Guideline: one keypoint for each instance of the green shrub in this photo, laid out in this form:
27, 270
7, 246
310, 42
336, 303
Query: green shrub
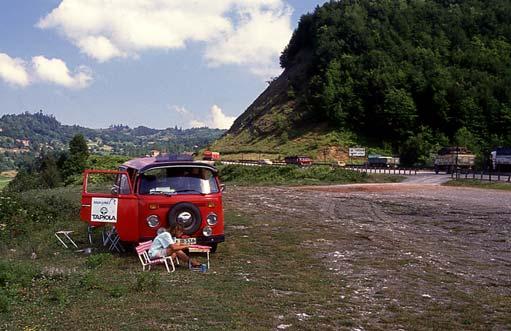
11, 212
59, 295
117, 291
146, 282
96, 260
17, 273
13, 277
89, 281
4, 302
36, 210
289, 175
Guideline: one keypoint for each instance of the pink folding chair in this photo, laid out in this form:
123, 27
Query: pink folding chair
143, 255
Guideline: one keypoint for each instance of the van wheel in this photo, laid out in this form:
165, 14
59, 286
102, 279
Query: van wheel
187, 215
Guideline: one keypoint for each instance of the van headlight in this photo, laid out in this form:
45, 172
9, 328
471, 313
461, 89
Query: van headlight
207, 231
153, 221
212, 219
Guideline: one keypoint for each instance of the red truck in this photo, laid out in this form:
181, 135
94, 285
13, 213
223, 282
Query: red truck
152, 192
211, 156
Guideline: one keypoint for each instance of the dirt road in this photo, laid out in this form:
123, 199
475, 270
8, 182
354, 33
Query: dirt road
402, 253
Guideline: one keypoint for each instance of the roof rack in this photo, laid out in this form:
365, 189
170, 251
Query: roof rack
173, 157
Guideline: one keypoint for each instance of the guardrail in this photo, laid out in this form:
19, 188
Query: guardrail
383, 170
366, 169
482, 176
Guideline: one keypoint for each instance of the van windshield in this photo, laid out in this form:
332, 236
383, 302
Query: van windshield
178, 180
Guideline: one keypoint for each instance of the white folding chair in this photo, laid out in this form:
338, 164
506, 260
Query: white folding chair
62, 235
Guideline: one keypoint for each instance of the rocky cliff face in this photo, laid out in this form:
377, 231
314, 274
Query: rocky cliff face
272, 109
276, 122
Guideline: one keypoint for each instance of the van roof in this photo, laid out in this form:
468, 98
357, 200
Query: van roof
145, 163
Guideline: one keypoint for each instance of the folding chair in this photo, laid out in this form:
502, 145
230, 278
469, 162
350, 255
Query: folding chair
112, 237
90, 233
143, 255
65, 235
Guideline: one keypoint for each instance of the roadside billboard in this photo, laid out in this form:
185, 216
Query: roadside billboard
357, 152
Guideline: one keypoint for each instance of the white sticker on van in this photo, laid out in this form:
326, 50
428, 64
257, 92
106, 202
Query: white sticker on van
104, 210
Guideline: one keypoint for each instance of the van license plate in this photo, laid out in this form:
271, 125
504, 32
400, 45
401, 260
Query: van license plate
187, 241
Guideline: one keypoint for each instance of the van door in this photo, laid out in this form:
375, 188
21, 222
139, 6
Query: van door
108, 199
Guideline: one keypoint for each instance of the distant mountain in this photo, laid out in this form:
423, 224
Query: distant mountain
23, 136
400, 77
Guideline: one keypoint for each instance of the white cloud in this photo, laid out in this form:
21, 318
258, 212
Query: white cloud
242, 32
179, 109
216, 120
197, 124
99, 48
257, 42
219, 120
19, 72
13, 71
56, 71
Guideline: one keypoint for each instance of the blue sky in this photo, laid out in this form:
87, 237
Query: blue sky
157, 63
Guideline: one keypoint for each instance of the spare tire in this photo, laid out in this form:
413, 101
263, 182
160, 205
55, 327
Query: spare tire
187, 215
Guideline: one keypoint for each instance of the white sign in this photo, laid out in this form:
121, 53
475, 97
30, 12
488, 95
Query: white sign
104, 210
357, 152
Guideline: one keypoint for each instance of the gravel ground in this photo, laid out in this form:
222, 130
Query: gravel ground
402, 252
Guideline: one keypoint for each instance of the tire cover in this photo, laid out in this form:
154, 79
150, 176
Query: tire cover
194, 212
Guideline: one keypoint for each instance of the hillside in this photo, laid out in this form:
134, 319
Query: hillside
401, 77
24, 135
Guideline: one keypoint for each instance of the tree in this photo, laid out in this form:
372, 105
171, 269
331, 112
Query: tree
402, 72
49, 171
77, 159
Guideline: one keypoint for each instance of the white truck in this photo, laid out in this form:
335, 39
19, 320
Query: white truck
501, 159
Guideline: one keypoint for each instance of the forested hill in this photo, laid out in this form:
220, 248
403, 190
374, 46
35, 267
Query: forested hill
24, 135
411, 75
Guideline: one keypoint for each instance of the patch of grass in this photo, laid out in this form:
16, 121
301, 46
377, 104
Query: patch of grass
293, 175
4, 181
146, 281
255, 277
479, 184
15, 278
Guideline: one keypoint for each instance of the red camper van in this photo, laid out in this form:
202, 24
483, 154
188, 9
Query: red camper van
148, 193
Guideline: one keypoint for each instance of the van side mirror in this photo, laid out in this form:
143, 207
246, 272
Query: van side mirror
222, 187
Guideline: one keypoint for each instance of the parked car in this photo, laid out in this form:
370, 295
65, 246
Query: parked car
153, 192
265, 161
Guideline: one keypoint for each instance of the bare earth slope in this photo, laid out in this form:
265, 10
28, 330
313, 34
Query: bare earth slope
404, 255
